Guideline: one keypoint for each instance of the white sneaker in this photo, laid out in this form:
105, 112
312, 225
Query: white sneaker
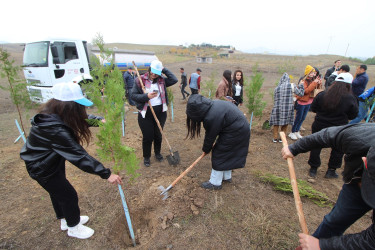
80, 232
83, 220
299, 136
293, 136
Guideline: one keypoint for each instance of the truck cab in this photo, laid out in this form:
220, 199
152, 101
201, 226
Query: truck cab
46, 63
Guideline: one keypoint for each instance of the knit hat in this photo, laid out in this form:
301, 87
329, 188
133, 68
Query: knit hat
344, 77
308, 69
368, 178
68, 91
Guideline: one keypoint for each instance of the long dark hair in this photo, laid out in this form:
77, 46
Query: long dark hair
193, 128
235, 79
228, 76
333, 95
73, 115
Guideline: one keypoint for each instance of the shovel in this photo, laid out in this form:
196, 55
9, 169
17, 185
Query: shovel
165, 190
293, 181
174, 157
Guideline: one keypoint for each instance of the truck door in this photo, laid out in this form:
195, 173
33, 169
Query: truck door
66, 61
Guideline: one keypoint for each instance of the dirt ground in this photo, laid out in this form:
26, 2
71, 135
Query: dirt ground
246, 214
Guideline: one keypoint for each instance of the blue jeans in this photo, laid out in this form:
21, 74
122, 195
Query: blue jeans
362, 112
348, 209
301, 114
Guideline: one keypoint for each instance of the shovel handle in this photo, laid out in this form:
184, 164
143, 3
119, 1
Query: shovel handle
187, 170
293, 181
152, 109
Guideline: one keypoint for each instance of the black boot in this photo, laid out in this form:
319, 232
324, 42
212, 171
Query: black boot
313, 171
159, 157
147, 161
208, 185
331, 174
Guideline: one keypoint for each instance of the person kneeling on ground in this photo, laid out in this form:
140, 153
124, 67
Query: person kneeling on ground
55, 136
357, 195
225, 124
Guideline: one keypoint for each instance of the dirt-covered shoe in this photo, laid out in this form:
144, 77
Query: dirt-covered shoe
227, 181
146, 161
208, 185
293, 136
312, 172
159, 157
274, 140
80, 232
83, 220
331, 174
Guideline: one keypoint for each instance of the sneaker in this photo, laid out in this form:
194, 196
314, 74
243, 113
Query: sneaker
208, 185
299, 136
83, 220
80, 232
159, 157
147, 161
228, 181
331, 174
274, 140
293, 136
280, 140
313, 171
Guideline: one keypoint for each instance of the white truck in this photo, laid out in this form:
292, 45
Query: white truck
46, 63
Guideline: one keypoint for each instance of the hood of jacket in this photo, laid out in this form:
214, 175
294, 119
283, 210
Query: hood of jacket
197, 107
46, 120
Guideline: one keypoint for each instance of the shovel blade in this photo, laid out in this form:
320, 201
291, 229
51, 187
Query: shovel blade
173, 159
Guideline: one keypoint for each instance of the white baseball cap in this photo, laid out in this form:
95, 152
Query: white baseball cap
156, 67
344, 77
68, 91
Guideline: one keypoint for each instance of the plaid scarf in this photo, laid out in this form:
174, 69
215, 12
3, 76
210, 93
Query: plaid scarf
161, 86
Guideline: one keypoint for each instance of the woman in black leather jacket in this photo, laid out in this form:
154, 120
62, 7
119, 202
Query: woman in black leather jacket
56, 134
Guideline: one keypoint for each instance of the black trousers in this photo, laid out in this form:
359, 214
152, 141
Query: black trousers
150, 130
335, 159
194, 91
183, 91
237, 99
64, 197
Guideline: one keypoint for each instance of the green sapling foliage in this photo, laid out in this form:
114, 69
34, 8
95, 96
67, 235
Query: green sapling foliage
255, 103
108, 94
17, 87
209, 88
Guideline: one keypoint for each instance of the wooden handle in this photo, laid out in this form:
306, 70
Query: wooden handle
188, 169
152, 109
293, 181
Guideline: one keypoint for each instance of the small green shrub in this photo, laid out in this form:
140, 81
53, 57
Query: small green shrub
208, 86
255, 103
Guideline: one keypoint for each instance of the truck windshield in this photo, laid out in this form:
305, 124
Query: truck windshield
36, 54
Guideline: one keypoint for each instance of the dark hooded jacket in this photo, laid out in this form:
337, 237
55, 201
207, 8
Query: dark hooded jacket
49, 144
354, 140
225, 124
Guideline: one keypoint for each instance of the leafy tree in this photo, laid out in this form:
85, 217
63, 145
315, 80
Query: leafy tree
255, 103
107, 93
17, 87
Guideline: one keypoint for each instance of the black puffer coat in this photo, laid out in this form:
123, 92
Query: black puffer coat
49, 144
226, 124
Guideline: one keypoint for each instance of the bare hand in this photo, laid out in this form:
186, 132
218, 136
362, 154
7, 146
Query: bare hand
114, 179
285, 152
308, 242
103, 120
152, 95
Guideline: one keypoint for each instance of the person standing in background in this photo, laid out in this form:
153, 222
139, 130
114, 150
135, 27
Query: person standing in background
195, 82
129, 82
360, 80
335, 67
237, 87
224, 89
183, 84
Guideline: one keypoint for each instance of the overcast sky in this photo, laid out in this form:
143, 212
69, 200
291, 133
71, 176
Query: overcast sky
288, 27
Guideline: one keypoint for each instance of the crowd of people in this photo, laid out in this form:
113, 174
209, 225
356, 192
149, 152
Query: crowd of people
60, 128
